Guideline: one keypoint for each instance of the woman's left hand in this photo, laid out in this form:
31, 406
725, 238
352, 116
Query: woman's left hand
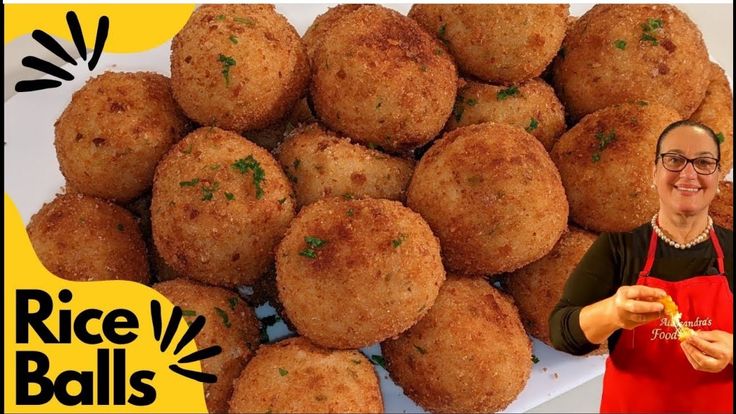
709, 351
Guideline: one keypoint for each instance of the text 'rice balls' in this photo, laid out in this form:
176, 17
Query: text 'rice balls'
716, 111
623, 53
531, 105
380, 79
354, 272
114, 132
498, 43
295, 376
321, 164
230, 324
468, 354
538, 287
721, 208
238, 66
220, 204
492, 195
606, 161
82, 238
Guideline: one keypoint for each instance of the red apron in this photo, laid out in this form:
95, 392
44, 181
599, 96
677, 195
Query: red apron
648, 371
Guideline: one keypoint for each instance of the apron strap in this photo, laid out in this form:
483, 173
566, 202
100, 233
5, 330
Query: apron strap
650, 255
719, 251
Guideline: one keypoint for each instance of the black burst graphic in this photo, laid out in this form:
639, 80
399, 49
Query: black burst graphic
188, 336
103, 27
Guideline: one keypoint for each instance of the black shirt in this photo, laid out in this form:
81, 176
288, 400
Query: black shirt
615, 260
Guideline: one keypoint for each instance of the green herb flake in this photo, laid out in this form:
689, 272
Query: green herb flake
220, 17
120, 227
247, 21
604, 140
222, 314
208, 191
471, 102
233, 39
308, 253
214, 167
720, 137
442, 31
649, 38
505, 93
188, 313
347, 196
314, 242
535, 359
350, 213
620, 44
227, 63
378, 360
533, 124
243, 165
191, 183
420, 349
187, 150
283, 372
652, 25
233, 302
397, 242
229, 196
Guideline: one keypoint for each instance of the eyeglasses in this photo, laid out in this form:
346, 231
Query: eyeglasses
676, 163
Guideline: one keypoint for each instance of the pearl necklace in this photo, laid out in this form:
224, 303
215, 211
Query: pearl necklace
701, 238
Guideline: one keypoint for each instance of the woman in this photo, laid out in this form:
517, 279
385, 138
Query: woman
614, 292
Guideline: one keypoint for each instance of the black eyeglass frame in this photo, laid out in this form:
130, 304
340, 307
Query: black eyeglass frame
688, 161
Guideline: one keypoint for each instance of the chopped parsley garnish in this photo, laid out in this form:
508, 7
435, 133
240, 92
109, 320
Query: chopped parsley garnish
249, 163
283, 372
720, 137
312, 243
471, 101
420, 349
222, 314
246, 21
533, 124
220, 17
215, 167
308, 253
441, 32
233, 39
397, 242
505, 93
227, 63
208, 192
191, 183
347, 196
189, 313
620, 44
651, 26
350, 212
233, 302
378, 360
604, 140
229, 196
649, 38
120, 227
535, 359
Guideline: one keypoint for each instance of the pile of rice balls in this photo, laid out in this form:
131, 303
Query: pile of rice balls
369, 179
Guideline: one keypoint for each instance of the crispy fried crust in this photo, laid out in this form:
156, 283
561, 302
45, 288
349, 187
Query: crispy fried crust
295, 376
492, 195
609, 189
238, 66
721, 208
469, 354
114, 132
81, 238
376, 274
208, 220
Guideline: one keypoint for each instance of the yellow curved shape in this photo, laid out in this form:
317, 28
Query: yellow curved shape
25, 273
133, 27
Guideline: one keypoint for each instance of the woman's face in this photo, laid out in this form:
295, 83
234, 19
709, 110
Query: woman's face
685, 192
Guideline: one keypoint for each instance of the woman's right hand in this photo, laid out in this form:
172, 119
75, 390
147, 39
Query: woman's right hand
636, 305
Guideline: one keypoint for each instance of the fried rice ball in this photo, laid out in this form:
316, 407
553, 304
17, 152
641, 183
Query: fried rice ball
716, 111
380, 79
626, 52
273, 135
606, 161
537, 287
83, 238
230, 323
238, 66
531, 105
220, 204
493, 197
469, 354
498, 43
351, 273
721, 208
325, 22
295, 376
114, 131
321, 164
